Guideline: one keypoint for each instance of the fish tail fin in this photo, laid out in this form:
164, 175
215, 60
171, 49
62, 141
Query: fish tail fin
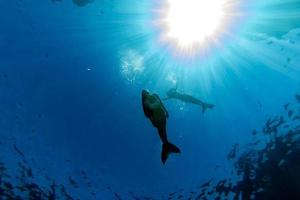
206, 106
167, 149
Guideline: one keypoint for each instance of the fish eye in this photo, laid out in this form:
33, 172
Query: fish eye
145, 92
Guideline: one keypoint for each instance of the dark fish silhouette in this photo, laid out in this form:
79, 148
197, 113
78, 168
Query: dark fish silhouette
158, 114
297, 96
173, 94
286, 106
72, 182
82, 3
171, 194
290, 113
118, 197
254, 132
55, 1
18, 150
206, 184
233, 152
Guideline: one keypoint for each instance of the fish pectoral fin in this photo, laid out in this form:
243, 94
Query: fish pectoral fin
206, 106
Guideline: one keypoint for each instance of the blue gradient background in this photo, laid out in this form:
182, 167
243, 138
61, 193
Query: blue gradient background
67, 104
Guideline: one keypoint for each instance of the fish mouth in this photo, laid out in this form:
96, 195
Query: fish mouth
145, 93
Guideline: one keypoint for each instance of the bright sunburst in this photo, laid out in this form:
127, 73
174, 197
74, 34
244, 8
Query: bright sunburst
192, 23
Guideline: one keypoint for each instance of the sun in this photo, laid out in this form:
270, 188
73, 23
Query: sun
193, 22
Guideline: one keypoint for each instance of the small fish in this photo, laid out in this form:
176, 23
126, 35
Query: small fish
83, 173
72, 182
18, 151
93, 193
172, 194
286, 106
290, 113
232, 153
296, 118
54, 1
206, 184
297, 96
29, 172
118, 197
82, 3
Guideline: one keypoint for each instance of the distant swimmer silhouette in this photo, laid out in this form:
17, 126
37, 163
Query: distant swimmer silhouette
157, 113
173, 94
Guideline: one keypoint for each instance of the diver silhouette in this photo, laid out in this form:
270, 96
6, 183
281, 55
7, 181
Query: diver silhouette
174, 94
158, 114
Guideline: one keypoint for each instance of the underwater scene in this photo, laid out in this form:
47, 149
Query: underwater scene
149, 99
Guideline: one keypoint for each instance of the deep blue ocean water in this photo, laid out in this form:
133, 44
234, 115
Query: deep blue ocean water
71, 78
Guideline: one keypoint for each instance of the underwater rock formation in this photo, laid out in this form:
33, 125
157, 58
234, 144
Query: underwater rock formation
22, 184
268, 168
24, 187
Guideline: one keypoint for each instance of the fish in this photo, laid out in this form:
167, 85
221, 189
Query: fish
156, 112
18, 151
186, 98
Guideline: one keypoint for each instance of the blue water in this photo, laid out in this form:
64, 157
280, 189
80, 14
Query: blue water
70, 97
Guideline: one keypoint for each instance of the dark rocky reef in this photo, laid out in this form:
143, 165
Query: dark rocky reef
23, 186
269, 168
